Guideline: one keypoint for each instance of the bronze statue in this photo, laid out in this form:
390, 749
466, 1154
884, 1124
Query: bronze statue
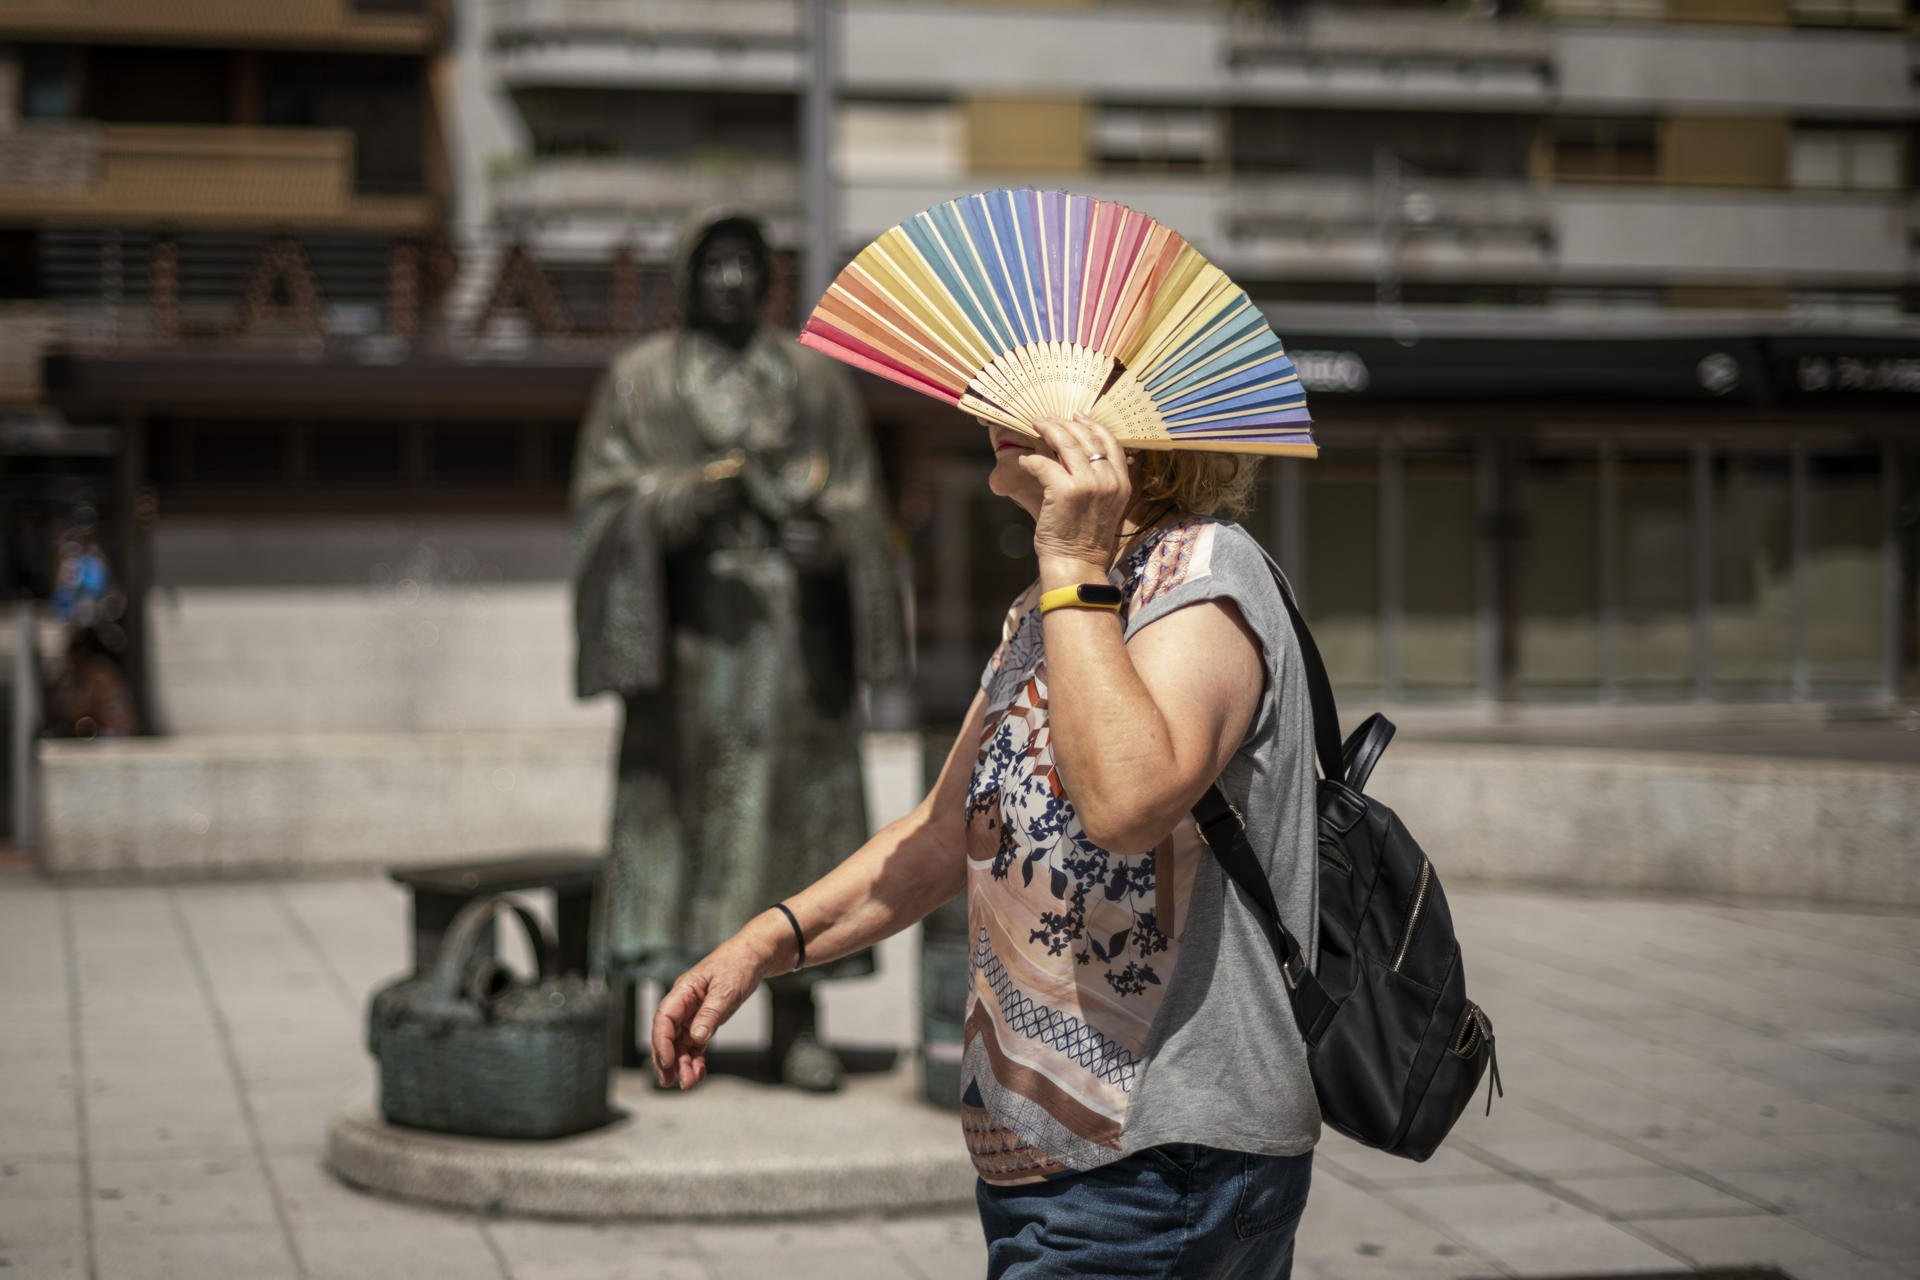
734, 584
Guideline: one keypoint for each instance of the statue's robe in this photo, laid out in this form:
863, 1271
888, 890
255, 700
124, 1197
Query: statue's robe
737, 651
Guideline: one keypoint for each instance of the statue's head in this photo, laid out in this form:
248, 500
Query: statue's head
728, 275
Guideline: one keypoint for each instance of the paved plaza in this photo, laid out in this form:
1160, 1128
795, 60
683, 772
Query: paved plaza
1688, 1084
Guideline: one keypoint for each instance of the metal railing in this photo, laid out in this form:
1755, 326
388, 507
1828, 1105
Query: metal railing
758, 21
616, 186
1255, 203
1885, 14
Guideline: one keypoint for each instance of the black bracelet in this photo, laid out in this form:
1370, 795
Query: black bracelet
799, 939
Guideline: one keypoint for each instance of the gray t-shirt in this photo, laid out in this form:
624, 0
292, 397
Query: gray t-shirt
1120, 1002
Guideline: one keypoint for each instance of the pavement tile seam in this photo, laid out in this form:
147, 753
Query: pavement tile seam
1733, 1065
1653, 1154
76, 1049
1468, 1250
1684, 1215
1784, 921
1712, 966
1761, 1208
499, 1256
904, 1257
205, 984
350, 997
1759, 1250
1551, 1187
1622, 982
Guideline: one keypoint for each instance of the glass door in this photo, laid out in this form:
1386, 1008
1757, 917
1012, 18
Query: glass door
1342, 580
1557, 570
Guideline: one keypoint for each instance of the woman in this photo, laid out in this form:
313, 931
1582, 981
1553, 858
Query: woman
1136, 1095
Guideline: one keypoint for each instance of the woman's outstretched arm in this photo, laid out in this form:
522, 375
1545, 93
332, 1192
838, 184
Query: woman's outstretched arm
912, 866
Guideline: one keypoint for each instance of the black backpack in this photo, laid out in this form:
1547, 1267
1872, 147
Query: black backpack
1395, 1047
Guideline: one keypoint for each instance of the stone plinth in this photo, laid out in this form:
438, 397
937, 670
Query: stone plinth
730, 1149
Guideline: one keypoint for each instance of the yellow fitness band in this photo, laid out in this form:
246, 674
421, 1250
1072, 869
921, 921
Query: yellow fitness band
1083, 595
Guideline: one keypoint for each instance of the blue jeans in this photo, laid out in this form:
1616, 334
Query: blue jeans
1185, 1211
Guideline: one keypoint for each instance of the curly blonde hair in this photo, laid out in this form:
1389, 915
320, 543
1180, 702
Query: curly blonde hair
1201, 483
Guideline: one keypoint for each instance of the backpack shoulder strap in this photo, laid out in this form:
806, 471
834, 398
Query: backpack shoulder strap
1326, 715
1226, 834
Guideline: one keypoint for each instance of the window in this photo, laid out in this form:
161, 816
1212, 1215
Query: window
382, 106
352, 454
157, 86
20, 264
879, 141
49, 82
1653, 549
1156, 137
1844, 568
1849, 159
1556, 568
1342, 519
1438, 624
1752, 570
1429, 144
1604, 150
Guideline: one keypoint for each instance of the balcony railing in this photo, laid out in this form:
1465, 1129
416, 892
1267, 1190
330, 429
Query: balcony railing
1330, 54
1330, 29
193, 176
1822, 13
385, 25
1849, 13
756, 21
1607, 10
1439, 228
620, 187
1261, 204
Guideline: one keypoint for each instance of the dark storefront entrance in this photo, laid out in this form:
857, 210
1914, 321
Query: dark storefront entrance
1714, 517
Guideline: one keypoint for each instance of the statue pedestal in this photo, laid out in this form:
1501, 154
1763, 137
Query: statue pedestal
729, 1149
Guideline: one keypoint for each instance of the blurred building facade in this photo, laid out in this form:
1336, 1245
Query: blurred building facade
1609, 305
1610, 310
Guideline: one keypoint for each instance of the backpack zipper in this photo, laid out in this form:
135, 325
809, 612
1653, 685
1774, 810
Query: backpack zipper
1413, 916
1468, 1042
1469, 1037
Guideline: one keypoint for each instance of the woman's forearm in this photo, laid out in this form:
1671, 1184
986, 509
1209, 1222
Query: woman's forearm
1109, 737
905, 871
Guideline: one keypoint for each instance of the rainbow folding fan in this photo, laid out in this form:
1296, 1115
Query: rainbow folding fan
1018, 305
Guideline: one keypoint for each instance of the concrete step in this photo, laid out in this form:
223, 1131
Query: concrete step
302, 803
243, 804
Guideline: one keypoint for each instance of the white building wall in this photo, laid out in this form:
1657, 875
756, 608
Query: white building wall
365, 626
483, 127
1665, 68
1138, 53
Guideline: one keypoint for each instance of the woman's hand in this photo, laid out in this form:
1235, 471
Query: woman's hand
1085, 494
701, 999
